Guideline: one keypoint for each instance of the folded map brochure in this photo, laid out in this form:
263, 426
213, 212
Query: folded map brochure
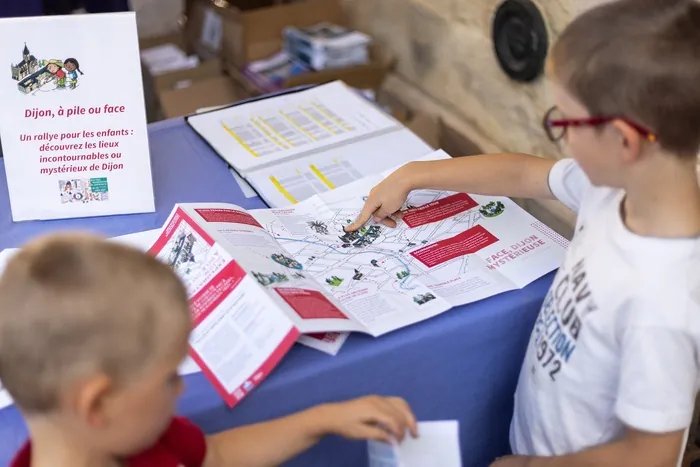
258, 279
293, 146
328, 343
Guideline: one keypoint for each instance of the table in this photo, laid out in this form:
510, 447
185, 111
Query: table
461, 365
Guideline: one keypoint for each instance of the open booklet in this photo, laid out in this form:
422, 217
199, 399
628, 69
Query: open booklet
295, 145
328, 343
258, 279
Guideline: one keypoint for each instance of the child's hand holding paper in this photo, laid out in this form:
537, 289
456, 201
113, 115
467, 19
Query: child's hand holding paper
374, 418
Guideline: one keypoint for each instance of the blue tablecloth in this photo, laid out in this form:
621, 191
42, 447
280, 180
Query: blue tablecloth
461, 365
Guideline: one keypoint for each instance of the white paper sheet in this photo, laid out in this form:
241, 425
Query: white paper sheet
247, 190
294, 181
265, 132
437, 445
5, 399
5, 256
329, 342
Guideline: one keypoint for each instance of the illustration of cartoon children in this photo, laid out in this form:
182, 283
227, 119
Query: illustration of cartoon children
55, 68
67, 193
73, 68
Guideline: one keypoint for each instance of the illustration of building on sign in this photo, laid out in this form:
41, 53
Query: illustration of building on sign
36, 80
33, 74
26, 67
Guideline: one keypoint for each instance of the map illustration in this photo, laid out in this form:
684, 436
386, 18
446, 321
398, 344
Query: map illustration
376, 256
449, 249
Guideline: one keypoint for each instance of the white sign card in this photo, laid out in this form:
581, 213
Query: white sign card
73, 125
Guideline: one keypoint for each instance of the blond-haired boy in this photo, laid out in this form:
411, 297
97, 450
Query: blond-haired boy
613, 365
91, 336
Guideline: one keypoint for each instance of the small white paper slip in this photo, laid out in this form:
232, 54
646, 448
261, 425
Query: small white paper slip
245, 187
329, 342
384, 454
5, 399
437, 444
188, 367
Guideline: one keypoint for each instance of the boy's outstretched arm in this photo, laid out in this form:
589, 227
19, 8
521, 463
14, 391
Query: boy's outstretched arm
512, 175
274, 442
636, 449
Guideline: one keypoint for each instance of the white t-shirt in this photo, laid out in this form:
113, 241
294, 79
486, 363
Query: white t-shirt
617, 339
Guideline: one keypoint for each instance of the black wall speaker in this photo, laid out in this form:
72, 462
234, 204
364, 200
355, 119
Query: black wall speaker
520, 39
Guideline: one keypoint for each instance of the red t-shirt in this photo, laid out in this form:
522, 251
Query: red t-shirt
182, 445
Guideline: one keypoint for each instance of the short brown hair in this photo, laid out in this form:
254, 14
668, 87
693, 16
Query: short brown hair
638, 59
74, 305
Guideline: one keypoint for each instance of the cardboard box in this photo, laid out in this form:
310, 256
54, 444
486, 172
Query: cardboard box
150, 42
205, 93
184, 78
155, 85
149, 87
368, 76
363, 77
203, 22
256, 34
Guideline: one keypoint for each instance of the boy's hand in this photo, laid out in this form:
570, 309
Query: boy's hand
373, 417
384, 200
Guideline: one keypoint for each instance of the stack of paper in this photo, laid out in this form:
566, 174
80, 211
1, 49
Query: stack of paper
268, 74
166, 58
327, 45
293, 146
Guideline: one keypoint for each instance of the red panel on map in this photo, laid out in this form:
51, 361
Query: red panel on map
438, 210
204, 302
227, 215
469, 241
310, 304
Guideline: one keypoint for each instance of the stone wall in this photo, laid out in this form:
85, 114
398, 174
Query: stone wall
444, 48
446, 63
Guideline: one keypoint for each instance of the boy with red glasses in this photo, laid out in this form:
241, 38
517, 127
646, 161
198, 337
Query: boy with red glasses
626, 77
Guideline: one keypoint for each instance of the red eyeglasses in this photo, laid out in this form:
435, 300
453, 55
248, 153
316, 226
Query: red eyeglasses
555, 125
